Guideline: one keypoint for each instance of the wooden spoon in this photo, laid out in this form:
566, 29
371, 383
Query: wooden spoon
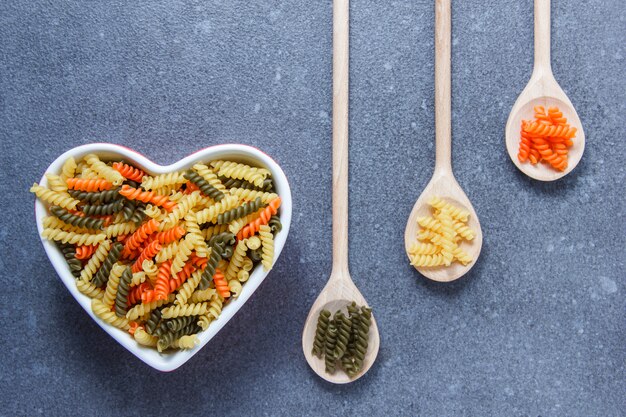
443, 183
340, 290
542, 89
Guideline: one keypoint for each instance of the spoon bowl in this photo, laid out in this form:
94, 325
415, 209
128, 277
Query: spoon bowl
337, 295
543, 90
523, 110
445, 187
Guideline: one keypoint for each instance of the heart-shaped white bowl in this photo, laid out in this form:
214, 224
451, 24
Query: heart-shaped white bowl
240, 153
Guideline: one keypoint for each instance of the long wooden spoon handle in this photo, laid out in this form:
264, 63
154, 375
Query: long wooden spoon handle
443, 129
542, 37
341, 23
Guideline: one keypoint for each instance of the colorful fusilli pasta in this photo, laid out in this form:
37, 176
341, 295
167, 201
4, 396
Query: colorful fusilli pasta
158, 254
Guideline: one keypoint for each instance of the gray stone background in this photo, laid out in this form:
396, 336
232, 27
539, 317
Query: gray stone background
538, 326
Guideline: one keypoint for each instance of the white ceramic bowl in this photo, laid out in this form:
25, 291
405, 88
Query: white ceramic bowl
240, 153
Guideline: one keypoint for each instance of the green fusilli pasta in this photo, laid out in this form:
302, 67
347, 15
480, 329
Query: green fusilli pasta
238, 212
178, 323
166, 340
69, 218
361, 336
103, 209
121, 299
100, 197
275, 224
331, 343
102, 275
344, 326
204, 186
153, 321
207, 275
69, 253
343, 340
319, 344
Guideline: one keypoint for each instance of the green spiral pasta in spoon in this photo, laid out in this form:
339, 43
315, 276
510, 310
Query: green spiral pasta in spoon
320, 333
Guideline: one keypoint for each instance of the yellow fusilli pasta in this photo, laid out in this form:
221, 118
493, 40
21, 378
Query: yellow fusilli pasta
238, 171
456, 212
423, 249
250, 195
73, 238
254, 242
145, 339
236, 261
104, 312
69, 169
163, 180
185, 310
193, 231
61, 199
167, 252
150, 270
201, 295
55, 183
186, 290
185, 248
464, 231
120, 229
186, 342
204, 321
243, 275
144, 308
95, 261
154, 212
113, 282
440, 236
138, 278
210, 214
427, 260
209, 176
235, 287
184, 206
267, 240
104, 170
89, 289
215, 306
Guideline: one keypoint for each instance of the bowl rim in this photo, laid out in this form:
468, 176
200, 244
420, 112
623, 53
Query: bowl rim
169, 361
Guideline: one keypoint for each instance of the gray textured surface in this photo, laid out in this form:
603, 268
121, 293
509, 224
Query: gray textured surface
537, 328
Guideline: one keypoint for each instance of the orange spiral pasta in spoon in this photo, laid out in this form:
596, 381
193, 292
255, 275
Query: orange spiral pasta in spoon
546, 139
